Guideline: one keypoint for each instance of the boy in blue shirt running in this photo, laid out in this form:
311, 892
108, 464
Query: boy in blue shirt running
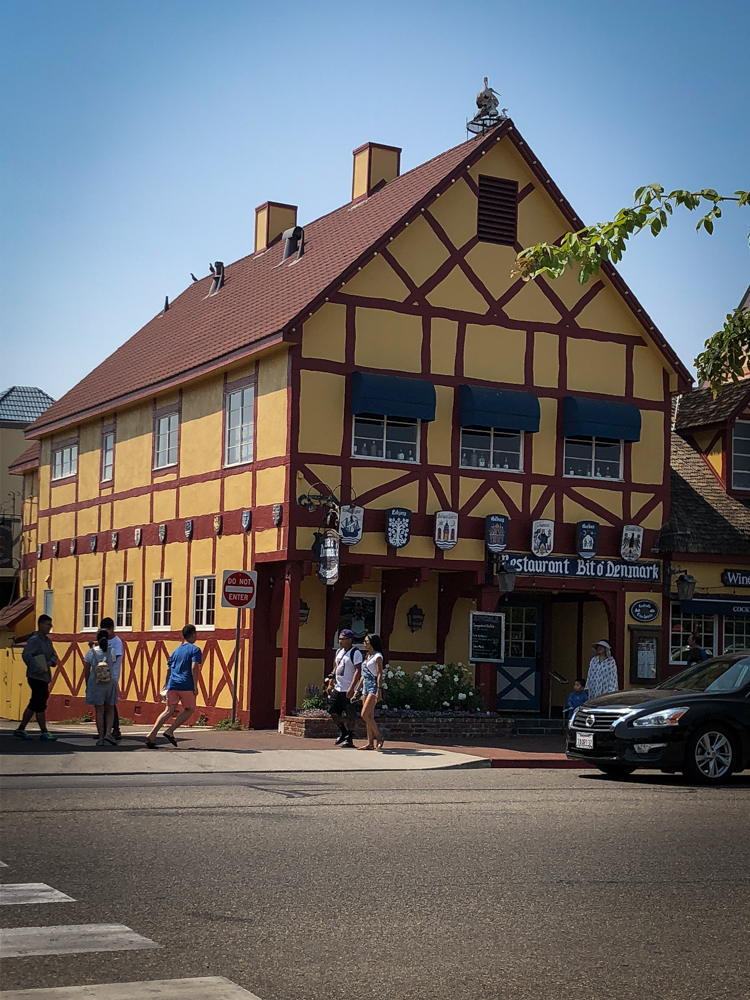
183, 667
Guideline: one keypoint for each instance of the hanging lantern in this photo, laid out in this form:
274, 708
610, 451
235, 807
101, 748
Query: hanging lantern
685, 587
304, 612
415, 618
506, 578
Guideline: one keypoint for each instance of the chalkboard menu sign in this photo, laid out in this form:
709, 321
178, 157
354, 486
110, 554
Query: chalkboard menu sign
486, 636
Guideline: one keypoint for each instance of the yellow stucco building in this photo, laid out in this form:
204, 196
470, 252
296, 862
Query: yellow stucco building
385, 357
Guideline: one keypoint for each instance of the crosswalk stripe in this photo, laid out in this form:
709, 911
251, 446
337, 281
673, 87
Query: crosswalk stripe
70, 939
207, 988
31, 892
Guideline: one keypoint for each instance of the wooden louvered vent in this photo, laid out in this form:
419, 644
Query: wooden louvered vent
497, 214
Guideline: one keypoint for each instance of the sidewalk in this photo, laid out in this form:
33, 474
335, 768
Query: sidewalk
205, 751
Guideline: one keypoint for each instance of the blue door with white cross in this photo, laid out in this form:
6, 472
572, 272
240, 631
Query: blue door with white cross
519, 677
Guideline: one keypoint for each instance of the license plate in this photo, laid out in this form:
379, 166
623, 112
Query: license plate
585, 741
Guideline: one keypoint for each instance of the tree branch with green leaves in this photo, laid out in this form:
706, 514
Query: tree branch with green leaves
727, 351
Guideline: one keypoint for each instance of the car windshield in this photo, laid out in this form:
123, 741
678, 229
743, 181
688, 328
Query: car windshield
712, 676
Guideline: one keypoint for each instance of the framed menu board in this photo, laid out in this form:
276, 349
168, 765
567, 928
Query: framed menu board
486, 636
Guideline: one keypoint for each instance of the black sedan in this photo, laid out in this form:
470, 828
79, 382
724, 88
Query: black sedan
697, 722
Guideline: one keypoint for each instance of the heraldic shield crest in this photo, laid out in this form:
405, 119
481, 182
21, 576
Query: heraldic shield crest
542, 537
587, 539
92, 542
247, 520
162, 533
114, 539
496, 532
137, 536
351, 524
188, 530
398, 527
446, 529
217, 524
632, 542
328, 567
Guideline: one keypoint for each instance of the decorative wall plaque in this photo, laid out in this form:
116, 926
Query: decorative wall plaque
188, 530
114, 538
542, 537
72, 546
247, 520
496, 529
587, 539
446, 529
217, 524
92, 542
632, 542
351, 524
162, 533
54, 550
277, 513
398, 527
137, 535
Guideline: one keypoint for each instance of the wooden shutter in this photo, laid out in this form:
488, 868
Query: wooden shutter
497, 214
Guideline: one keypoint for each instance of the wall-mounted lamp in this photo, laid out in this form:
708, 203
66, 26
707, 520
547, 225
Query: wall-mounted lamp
304, 612
685, 587
506, 578
415, 618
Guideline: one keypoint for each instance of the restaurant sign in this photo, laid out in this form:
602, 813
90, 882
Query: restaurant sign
587, 569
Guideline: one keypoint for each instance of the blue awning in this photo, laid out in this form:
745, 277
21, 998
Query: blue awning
732, 607
601, 418
390, 396
506, 409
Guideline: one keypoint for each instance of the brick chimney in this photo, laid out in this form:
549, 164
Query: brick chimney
374, 166
271, 219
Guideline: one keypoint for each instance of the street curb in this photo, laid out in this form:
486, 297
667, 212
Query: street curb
540, 762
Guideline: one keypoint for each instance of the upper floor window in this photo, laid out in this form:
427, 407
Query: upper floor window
48, 602
497, 211
593, 458
487, 448
238, 445
204, 601
165, 443
391, 439
90, 607
161, 614
124, 605
741, 456
65, 461
108, 456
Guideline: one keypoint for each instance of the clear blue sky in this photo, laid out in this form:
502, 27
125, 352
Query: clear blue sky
140, 135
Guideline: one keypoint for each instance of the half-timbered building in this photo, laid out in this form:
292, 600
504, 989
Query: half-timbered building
384, 359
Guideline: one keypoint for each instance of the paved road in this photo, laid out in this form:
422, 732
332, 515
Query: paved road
469, 885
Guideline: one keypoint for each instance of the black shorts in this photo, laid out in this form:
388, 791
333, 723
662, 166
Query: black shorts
39, 695
339, 704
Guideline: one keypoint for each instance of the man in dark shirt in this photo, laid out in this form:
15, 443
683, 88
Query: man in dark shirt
696, 653
40, 657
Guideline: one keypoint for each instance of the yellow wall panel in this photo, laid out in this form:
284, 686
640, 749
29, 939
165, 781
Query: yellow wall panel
175, 569
574, 512
321, 412
89, 460
647, 456
457, 643
131, 511
467, 487
418, 250
329, 475
377, 280
443, 338
62, 495
456, 211
596, 366
418, 547
88, 520
62, 525
608, 499
607, 312
202, 425
114, 572
388, 340
492, 265
648, 373
535, 494
165, 505
457, 292
270, 485
440, 429
489, 504
564, 641
309, 671
504, 160
273, 372
467, 548
433, 504
200, 498
494, 354
271, 431
653, 520
425, 596
544, 443
567, 287
313, 593
63, 586
324, 334
532, 305
372, 544
368, 477
134, 448
402, 496
201, 558
546, 359
267, 541
539, 219
238, 491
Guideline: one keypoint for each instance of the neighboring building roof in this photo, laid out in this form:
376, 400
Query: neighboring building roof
23, 403
13, 614
699, 408
26, 461
261, 302
703, 518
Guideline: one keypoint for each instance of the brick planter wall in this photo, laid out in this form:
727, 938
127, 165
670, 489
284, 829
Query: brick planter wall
413, 730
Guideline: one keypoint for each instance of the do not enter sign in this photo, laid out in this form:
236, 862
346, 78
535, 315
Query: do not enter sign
239, 588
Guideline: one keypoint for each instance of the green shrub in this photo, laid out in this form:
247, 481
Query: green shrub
433, 688
314, 698
227, 724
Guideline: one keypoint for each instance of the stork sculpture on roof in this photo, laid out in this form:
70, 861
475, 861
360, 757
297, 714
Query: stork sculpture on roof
487, 114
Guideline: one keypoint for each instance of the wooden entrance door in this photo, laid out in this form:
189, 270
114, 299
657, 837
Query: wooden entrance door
519, 677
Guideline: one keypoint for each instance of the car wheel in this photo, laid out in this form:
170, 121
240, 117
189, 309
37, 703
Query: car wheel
709, 755
617, 770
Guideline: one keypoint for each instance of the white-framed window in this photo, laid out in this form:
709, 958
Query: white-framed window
65, 461
238, 444
360, 612
682, 625
390, 439
488, 448
48, 602
741, 455
165, 440
124, 605
736, 634
90, 608
161, 614
108, 456
204, 601
593, 458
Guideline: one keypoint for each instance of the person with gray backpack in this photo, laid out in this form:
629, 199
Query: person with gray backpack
101, 686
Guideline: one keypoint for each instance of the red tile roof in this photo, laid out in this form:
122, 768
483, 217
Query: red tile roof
13, 613
261, 301
28, 459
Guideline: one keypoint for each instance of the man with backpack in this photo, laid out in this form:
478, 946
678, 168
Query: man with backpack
344, 680
696, 653
40, 658
115, 644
